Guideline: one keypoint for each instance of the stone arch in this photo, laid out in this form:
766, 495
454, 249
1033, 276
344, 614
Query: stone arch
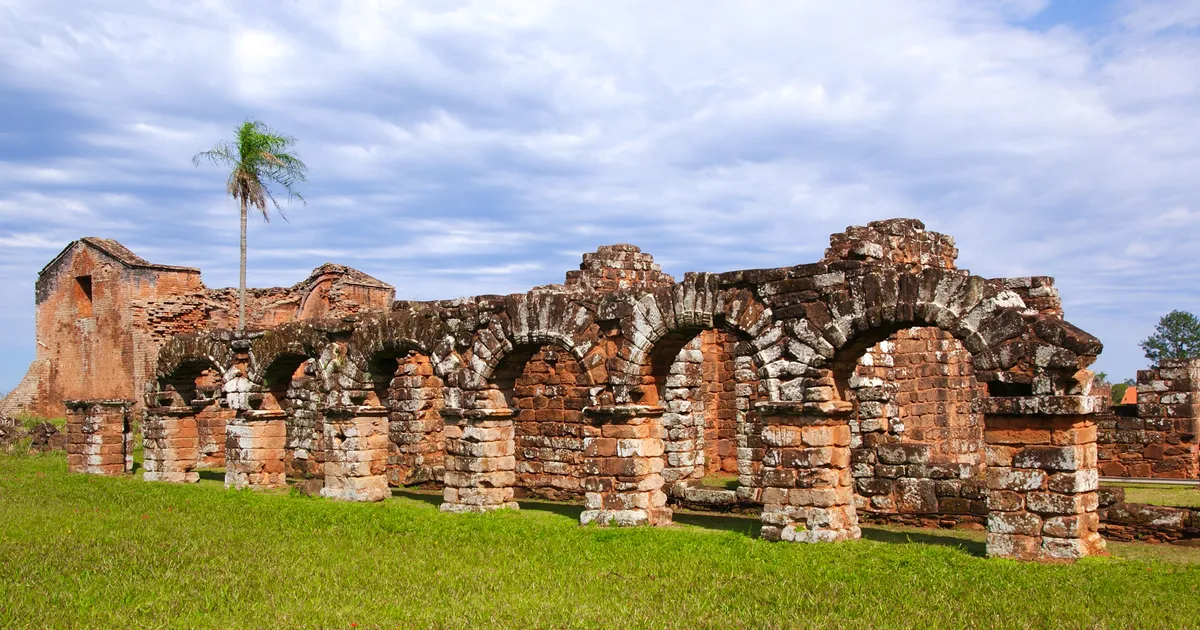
697, 303
1040, 438
917, 436
546, 389
287, 346
536, 320
294, 373
1033, 354
185, 421
696, 350
211, 349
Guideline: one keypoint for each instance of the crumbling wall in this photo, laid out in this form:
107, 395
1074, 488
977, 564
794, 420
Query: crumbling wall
1160, 435
544, 391
917, 444
645, 362
103, 313
414, 398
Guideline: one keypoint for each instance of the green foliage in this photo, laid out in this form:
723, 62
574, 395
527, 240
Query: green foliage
29, 420
1177, 336
79, 551
1118, 392
259, 156
1173, 496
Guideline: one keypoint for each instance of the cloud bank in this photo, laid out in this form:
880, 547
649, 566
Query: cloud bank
480, 147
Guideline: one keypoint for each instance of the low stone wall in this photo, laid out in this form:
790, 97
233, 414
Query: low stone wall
1160, 435
1146, 523
99, 437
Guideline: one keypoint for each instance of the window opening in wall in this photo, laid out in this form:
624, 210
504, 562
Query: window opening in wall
83, 296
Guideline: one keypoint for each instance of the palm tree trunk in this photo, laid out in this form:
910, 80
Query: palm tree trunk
242, 276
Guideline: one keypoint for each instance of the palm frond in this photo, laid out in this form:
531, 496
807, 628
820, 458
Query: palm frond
259, 156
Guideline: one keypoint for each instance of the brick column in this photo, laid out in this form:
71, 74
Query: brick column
1042, 478
624, 483
808, 492
254, 449
171, 445
99, 437
480, 460
356, 449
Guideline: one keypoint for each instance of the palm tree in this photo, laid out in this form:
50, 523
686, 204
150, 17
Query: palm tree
258, 156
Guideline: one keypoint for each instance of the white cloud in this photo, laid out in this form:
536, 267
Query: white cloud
468, 147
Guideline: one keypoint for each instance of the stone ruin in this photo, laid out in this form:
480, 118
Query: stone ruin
879, 383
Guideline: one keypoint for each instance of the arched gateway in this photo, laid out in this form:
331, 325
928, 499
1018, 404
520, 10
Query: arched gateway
879, 382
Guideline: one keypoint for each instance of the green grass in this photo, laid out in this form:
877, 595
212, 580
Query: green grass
725, 481
29, 421
1174, 496
80, 551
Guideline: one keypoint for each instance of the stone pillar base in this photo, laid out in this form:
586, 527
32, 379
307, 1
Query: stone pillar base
624, 465
810, 524
480, 461
808, 491
99, 438
1042, 481
172, 478
171, 443
627, 518
254, 450
356, 444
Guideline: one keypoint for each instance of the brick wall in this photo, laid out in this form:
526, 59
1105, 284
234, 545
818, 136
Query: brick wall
1158, 437
918, 445
103, 313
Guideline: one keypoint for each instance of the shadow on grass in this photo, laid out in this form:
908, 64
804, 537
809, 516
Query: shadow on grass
212, 474
748, 525
568, 510
434, 499
972, 547
739, 524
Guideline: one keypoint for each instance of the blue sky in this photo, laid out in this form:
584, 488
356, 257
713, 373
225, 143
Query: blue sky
459, 148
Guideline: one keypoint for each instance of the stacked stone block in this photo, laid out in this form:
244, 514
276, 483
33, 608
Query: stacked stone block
917, 443
1161, 436
720, 400
303, 400
549, 425
255, 450
624, 467
356, 447
1042, 483
901, 242
99, 437
210, 429
415, 401
171, 439
480, 460
807, 487
683, 420
613, 267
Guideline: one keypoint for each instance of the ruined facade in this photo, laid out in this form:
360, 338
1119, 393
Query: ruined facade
1159, 434
879, 382
103, 313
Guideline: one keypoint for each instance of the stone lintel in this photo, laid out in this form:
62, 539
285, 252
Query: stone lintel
476, 414
616, 413
264, 414
173, 410
1040, 405
817, 410
104, 402
356, 411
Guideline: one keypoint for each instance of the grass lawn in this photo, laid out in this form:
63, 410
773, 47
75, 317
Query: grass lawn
80, 551
1174, 496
